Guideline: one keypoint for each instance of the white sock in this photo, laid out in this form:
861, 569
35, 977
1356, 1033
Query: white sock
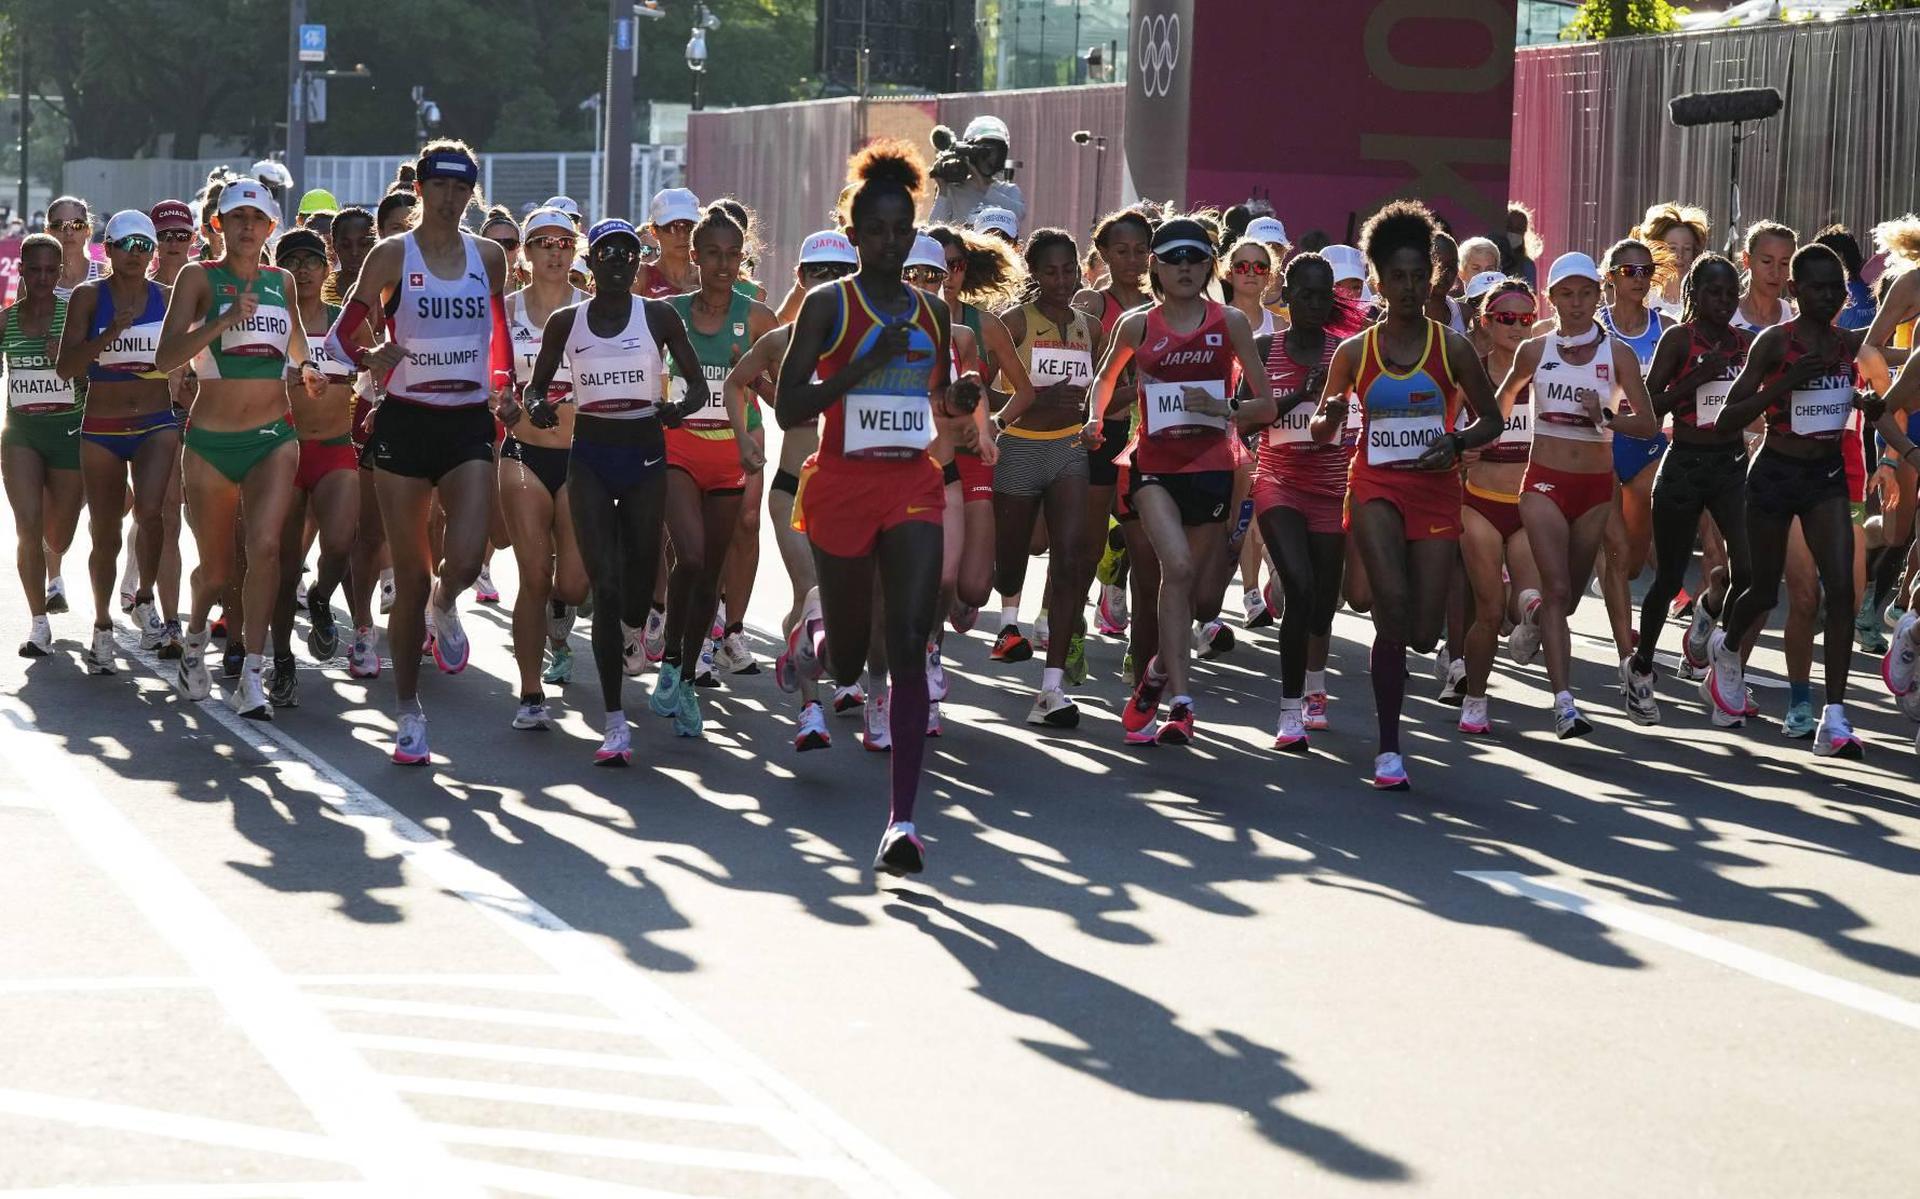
1053, 680
1530, 606
1010, 616
1292, 703
616, 718
905, 826
56, 583
1562, 700
1316, 682
256, 663
1181, 699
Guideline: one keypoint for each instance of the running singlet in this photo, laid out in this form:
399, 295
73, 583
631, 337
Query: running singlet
890, 413
1740, 321
1817, 410
337, 371
718, 352
95, 269
1288, 452
618, 376
1558, 387
33, 386
1642, 345
1172, 440
256, 348
445, 326
1053, 354
1702, 408
1515, 442
129, 356
1402, 414
526, 343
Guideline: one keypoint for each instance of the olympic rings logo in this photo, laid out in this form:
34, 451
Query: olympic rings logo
1159, 53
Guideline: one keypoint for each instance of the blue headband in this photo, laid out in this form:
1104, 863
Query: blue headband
448, 164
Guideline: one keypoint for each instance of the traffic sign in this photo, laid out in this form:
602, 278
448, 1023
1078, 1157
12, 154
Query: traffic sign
313, 43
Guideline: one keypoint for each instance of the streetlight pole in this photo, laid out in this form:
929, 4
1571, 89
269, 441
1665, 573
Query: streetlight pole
20, 38
616, 174
296, 163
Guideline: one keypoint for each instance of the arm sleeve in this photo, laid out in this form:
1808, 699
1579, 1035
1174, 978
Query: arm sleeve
341, 342
500, 353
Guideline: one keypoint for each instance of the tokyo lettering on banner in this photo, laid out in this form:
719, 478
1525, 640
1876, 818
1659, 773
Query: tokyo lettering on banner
1404, 97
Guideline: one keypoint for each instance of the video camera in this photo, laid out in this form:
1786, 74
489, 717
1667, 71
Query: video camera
983, 150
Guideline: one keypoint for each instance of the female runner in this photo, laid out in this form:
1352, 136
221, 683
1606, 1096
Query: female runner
1633, 270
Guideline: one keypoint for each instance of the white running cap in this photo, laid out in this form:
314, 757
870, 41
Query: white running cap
927, 252
1268, 229
1482, 283
1347, 263
1572, 265
999, 220
549, 216
564, 204
245, 193
674, 204
831, 245
991, 129
132, 222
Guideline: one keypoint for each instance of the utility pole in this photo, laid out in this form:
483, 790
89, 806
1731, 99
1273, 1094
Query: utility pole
616, 174
296, 163
20, 36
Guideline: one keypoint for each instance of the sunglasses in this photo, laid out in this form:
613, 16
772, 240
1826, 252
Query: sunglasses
826, 270
1250, 267
72, 226
1634, 270
550, 241
616, 255
954, 264
134, 245
508, 244
923, 274
1522, 319
176, 235
1185, 256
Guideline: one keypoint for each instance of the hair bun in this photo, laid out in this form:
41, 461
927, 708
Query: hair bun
889, 162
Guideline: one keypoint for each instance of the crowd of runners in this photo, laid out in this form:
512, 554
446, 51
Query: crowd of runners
357, 408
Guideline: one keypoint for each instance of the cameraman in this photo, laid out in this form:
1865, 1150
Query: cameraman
967, 172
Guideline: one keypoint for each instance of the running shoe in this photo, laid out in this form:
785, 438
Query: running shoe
901, 852
1894, 613
363, 658
248, 697
936, 674
961, 617
1390, 773
1442, 664
878, 734
654, 635
704, 672
559, 670
410, 747
1144, 706
1054, 709
808, 640
1456, 678
1568, 723
300, 591
1010, 646
1726, 677
1314, 712
1177, 728
1254, 605
218, 629
1909, 705
1835, 737
386, 593
533, 715
39, 642
1291, 734
560, 619
616, 748
1900, 669
1042, 632
1800, 724
1636, 687
1722, 719
1683, 605
1868, 632
1523, 644
1126, 664
98, 656
450, 645
129, 582
153, 630
233, 660
734, 656
634, 653
935, 726
56, 596
323, 634
1111, 610
170, 644
1076, 663
812, 733
687, 721
847, 699
665, 700
483, 588
1473, 715
283, 689
1212, 639
785, 675
1753, 705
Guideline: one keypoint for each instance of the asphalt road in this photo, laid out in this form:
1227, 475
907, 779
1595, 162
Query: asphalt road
245, 960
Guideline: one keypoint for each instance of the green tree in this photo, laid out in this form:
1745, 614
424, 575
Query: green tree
1885, 5
1621, 18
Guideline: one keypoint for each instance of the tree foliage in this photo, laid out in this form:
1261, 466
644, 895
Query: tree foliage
1621, 18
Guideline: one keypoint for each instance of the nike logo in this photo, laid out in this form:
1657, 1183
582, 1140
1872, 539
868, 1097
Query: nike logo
1436, 529
1834, 474
915, 511
653, 461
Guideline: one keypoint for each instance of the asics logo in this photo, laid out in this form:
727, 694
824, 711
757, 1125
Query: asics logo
1159, 53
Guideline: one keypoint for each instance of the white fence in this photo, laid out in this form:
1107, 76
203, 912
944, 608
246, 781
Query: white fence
516, 180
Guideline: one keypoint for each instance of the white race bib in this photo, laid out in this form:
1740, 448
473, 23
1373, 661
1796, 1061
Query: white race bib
1400, 440
1291, 428
886, 425
262, 335
133, 352
1708, 401
1052, 364
1167, 414
1518, 427
441, 365
714, 415
30, 391
1822, 411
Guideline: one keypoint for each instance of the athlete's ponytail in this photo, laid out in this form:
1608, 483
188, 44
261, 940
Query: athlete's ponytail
995, 277
888, 167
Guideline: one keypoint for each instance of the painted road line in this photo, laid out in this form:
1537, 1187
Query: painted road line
599, 1101
202, 1130
381, 1135
1705, 945
534, 1055
861, 1165
198, 1190
524, 1017
621, 1149
531, 984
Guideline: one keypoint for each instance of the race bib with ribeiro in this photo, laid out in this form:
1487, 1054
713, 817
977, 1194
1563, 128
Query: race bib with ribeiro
887, 425
1166, 405
262, 335
1821, 408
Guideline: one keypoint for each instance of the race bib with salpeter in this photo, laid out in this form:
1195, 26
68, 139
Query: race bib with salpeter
1166, 405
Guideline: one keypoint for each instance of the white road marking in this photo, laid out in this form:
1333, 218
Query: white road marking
639, 1151
536, 984
379, 1134
829, 1144
203, 1130
422, 1010
534, 1055
1705, 945
199, 1190
600, 1101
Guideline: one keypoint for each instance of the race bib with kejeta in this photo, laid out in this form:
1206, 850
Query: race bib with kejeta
1057, 363
1167, 413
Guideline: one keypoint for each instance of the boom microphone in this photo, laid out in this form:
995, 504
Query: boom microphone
1725, 108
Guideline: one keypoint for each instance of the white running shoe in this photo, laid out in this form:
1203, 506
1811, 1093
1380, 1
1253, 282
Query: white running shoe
878, 734
363, 659
1456, 678
1053, 709
1901, 665
1042, 632
483, 589
1442, 665
1721, 718
734, 655
98, 656
1523, 644
1390, 773
56, 595
1290, 735
386, 592
533, 716
1694, 649
153, 630
616, 748
1835, 737
634, 653
1726, 678
935, 726
39, 642
705, 673
812, 733
1473, 715
901, 852
410, 747
1637, 690
849, 698
450, 645
653, 636
1568, 723
196, 681
129, 580
936, 673
248, 697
